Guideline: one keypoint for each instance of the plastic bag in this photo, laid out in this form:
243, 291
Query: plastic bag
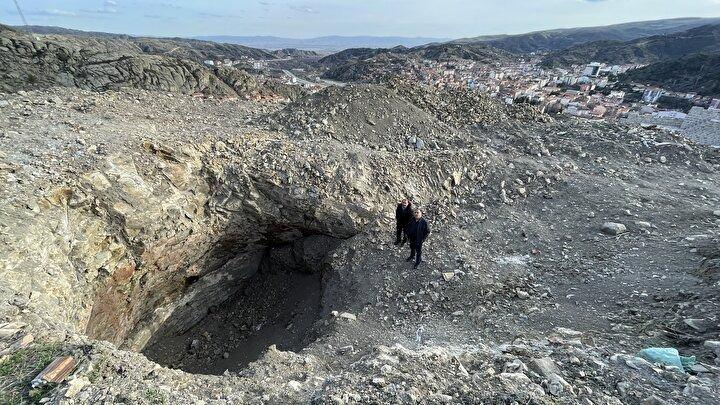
667, 355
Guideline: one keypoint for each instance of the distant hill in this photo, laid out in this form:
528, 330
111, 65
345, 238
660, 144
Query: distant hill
551, 40
192, 49
704, 39
368, 64
439, 52
326, 44
696, 73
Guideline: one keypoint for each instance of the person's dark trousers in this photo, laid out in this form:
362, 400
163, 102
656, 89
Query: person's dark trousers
400, 233
416, 252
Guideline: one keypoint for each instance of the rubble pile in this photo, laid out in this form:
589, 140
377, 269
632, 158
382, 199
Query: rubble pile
461, 108
369, 115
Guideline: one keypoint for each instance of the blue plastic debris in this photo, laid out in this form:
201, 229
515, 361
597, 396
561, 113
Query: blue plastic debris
667, 355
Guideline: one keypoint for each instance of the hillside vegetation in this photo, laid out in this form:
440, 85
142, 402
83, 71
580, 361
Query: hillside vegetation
697, 73
705, 39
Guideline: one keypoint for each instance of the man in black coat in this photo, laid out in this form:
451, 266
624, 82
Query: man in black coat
403, 215
417, 231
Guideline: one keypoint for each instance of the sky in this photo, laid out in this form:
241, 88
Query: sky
311, 18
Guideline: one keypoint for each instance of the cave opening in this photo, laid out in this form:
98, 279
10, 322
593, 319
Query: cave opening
279, 304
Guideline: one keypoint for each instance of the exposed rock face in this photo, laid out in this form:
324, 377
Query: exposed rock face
193, 49
98, 64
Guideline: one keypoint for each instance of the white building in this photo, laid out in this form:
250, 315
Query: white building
652, 95
592, 70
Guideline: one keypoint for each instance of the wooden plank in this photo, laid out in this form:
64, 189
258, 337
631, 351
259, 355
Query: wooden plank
55, 372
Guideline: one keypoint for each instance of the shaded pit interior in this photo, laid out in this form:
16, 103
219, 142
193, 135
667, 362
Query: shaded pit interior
279, 304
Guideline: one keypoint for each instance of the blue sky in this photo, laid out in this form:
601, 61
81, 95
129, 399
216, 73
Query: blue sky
309, 18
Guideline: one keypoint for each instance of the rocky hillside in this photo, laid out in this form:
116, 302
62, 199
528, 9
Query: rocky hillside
553, 40
701, 40
28, 62
373, 65
182, 250
693, 74
192, 49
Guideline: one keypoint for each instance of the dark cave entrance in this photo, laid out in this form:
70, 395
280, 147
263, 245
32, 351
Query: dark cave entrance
279, 305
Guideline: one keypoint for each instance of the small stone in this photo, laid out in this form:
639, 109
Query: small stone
345, 350
712, 344
697, 324
294, 385
663, 159
75, 386
613, 228
699, 368
653, 400
348, 316
378, 381
523, 295
448, 276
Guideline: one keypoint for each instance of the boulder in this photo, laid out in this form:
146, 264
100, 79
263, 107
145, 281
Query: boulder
613, 228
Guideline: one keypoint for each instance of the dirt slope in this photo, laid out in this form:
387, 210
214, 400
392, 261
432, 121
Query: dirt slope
129, 216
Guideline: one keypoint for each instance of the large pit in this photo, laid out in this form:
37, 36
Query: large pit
279, 305
270, 292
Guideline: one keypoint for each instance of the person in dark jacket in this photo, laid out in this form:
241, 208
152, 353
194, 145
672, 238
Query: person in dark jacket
417, 231
403, 215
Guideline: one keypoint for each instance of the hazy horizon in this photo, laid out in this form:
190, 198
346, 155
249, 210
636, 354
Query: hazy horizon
317, 18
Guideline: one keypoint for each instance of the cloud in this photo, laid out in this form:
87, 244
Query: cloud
53, 12
302, 9
216, 15
169, 5
108, 7
102, 11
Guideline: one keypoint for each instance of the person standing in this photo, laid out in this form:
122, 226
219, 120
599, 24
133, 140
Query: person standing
403, 215
417, 231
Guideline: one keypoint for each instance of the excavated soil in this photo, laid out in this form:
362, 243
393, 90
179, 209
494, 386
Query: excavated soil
188, 238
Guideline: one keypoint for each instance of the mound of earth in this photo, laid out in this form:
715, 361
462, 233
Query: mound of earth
462, 108
370, 115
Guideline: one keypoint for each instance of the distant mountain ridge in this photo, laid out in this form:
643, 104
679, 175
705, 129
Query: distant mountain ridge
333, 43
556, 39
700, 40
